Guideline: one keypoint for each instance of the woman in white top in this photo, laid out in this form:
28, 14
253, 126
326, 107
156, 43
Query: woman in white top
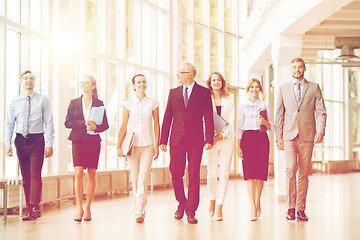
141, 118
219, 157
253, 144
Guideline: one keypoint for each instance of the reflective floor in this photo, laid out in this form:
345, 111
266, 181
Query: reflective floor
333, 208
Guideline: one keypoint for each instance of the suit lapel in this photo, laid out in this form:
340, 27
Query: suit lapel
178, 95
305, 87
193, 93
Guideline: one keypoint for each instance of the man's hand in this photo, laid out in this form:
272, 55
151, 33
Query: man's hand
163, 147
8, 151
280, 144
319, 137
208, 146
48, 152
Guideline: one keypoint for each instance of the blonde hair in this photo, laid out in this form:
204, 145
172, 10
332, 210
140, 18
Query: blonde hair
223, 90
251, 82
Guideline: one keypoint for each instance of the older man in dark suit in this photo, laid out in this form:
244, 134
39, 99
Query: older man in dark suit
187, 106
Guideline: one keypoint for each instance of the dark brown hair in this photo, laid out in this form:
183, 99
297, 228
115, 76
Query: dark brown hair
93, 81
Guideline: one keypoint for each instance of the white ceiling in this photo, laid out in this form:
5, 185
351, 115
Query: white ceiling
343, 25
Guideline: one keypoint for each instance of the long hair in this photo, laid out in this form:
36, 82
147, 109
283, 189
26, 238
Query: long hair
223, 91
93, 81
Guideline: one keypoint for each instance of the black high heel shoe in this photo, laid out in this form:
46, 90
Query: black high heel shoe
79, 219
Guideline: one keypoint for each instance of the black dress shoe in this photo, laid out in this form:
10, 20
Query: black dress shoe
179, 214
301, 216
192, 219
290, 214
33, 214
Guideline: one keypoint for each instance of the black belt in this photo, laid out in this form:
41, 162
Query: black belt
30, 135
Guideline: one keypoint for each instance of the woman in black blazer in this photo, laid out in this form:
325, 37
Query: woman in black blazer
85, 144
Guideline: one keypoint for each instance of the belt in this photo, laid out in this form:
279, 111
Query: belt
30, 135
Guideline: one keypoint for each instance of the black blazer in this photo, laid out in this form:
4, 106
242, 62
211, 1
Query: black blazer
75, 120
188, 121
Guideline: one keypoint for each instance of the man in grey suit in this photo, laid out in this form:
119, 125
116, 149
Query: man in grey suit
299, 124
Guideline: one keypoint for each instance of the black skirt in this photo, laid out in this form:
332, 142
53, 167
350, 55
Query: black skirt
255, 148
86, 154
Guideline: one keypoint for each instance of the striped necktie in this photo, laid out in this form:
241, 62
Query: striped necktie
25, 130
298, 92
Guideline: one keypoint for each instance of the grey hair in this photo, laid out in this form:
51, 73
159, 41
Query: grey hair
189, 67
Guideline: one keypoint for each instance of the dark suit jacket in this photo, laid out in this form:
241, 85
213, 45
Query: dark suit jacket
188, 121
75, 120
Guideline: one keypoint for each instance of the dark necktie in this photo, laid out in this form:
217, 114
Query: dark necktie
186, 97
25, 130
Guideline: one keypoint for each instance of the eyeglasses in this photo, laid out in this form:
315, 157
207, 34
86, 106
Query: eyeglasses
28, 78
182, 72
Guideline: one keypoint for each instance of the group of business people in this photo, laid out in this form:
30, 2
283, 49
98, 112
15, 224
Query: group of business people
188, 129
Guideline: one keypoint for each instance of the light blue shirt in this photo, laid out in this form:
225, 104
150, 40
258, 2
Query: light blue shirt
41, 119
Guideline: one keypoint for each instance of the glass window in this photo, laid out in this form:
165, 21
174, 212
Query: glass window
13, 10
184, 39
91, 68
199, 11
214, 51
111, 112
229, 59
148, 40
163, 4
2, 7
162, 41
229, 17
214, 13
111, 27
35, 15
130, 53
199, 51
35, 62
12, 86
184, 8
91, 25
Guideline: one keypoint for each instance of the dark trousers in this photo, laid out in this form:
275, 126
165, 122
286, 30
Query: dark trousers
30, 152
178, 156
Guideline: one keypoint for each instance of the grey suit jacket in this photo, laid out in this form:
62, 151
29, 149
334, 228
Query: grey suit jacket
306, 119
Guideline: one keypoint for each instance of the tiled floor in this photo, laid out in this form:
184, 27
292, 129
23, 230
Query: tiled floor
333, 208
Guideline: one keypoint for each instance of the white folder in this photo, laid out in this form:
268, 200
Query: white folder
127, 145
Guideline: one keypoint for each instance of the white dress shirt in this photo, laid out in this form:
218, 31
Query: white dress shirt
141, 119
248, 114
190, 88
86, 110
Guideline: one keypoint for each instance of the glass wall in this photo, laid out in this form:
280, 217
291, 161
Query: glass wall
210, 37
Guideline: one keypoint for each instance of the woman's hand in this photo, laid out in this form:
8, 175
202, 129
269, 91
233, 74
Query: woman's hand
239, 152
90, 125
120, 152
156, 152
218, 136
262, 121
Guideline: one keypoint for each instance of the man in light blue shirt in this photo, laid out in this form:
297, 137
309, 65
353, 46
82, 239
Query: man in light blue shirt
30, 115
